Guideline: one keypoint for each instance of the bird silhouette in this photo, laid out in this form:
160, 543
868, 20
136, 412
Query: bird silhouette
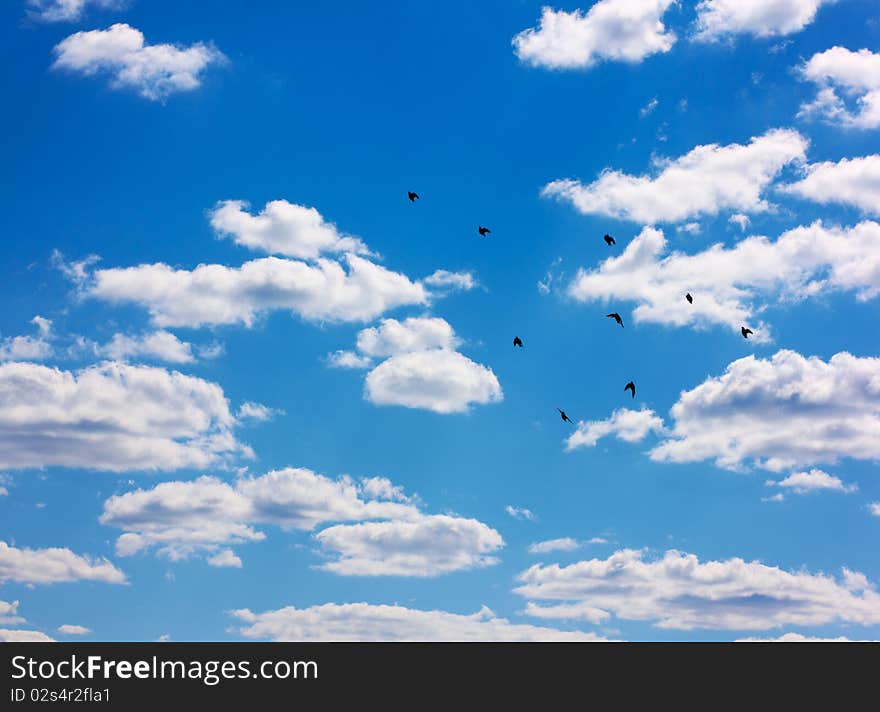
745, 332
517, 341
483, 230
413, 197
609, 240
616, 317
630, 387
689, 298
564, 417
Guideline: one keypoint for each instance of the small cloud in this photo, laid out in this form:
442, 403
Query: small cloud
739, 219
225, 559
257, 412
520, 513
348, 359
68, 629
648, 108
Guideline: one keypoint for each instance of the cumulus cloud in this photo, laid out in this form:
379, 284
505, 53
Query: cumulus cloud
393, 337
422, 368
423, 546
798, 638
382, 623
551, 545
848, 86
120, 52
348, 359
875, 508
759, 18
67, 10
255, 411
214, 294
85, 419
392, 536
627, 425
708, 179
443, 279
54, 565
780, 413
159, 345
282, 228
678, 591
225, 559
850, 181
732, 285
68, 629
740, 220
9, 613
616, 30
29, 348
439, 380
24, 636
812, 481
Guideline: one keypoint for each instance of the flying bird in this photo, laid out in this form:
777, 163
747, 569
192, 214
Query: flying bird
517, 341
689, 298
413, 197
616, 317
483, 230
630, 387
609, 240
564, 416
745, 332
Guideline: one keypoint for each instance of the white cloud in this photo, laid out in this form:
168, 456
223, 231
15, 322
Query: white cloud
392, 537
445, 280
691, 228
779, 413
708, 179
67, 10
225, 558
520, 513
739, 219
24, 636
649, 107
255, 411
154, 71
619, 30
439, 380
159, 345
348, 359
812, 481
372, 623
394, 337
423, 546
678, 591
842, 76
627, 425
545, 547
55, 565
9, 613
422, 368
798, 638
214, 294
85, 419
759, 18
731, 285
875, 508
29, 348
282, 228
68, 629
850, 181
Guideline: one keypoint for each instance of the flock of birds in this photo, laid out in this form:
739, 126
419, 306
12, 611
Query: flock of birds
610, 241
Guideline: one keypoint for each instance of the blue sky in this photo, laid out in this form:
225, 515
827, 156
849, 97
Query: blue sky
395, 481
